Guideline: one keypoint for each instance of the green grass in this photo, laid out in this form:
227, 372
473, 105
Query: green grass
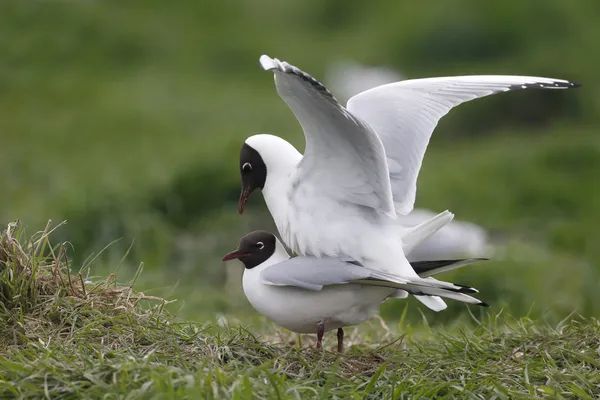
66, 337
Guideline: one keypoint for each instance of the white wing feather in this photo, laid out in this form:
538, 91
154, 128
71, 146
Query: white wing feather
404, 115
343, 156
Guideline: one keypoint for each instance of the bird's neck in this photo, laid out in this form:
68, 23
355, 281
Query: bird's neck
276, 192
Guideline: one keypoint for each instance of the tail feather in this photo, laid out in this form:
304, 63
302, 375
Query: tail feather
428, 268
453, 287
432, 302
411, 237
449, 295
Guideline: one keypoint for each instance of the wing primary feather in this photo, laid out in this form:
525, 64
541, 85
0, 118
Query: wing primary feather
269, 64
429, 268
553, 85
421, 290
451, 287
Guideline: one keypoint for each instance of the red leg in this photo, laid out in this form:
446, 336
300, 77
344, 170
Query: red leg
320, 332
340, 336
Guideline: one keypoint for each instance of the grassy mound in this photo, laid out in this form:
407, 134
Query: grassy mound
66, 337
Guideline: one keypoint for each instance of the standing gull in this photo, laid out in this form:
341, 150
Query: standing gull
310, 294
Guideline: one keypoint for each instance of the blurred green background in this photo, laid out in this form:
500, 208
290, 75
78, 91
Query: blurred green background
126, 119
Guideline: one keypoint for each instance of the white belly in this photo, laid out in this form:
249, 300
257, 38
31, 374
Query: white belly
301, 310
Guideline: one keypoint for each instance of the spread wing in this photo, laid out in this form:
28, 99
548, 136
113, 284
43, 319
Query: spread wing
404, 115
344, 158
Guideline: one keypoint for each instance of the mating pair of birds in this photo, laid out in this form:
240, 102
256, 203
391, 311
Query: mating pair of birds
342, 205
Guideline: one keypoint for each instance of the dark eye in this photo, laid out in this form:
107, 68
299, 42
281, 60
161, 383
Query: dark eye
247, 167
260, 245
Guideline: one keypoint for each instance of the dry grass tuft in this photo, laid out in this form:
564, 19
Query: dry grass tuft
36, 271
41, 299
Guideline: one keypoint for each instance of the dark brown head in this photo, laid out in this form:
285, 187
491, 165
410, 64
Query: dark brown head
254, 249
254, 174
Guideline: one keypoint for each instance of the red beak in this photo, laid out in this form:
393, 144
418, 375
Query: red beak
243, 199
233, 255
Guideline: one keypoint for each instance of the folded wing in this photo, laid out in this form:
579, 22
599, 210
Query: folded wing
313, 273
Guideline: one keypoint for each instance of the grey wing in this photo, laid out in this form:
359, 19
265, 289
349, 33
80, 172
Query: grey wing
313, 273
344, 158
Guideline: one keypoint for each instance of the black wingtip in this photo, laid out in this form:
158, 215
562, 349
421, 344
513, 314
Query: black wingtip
465, 289
292, 69
574, 84
553, 85
484, 304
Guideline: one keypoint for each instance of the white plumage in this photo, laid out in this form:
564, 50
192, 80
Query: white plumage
457, 238
360, 165
303, 292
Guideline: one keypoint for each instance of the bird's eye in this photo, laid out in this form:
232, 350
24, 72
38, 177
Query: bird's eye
260, 245
247, 167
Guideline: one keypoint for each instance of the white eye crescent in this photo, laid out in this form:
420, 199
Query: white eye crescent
247, 167
260, 245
